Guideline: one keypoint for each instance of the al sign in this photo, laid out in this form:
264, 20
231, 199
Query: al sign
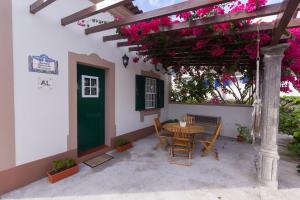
42, 64
45, 83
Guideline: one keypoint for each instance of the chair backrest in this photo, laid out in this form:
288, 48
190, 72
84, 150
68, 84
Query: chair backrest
205, 119
157, 126
189, 119
216, 134
179, 134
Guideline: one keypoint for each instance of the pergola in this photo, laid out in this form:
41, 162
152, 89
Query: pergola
185, 54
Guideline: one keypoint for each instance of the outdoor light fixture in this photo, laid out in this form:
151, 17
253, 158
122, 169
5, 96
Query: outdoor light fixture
125, 60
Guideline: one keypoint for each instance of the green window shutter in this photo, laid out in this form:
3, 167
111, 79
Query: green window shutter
160, 93
140, 92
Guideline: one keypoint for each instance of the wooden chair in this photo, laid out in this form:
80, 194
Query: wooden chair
182, 144
162, 135
209, 143
189, 119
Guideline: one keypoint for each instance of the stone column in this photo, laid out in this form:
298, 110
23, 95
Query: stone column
268, 154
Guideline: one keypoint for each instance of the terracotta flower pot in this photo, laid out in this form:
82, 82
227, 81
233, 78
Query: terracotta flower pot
240, 139
124, 147
52, 178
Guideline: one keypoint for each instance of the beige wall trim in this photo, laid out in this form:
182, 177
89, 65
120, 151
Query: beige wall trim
27, 173
7, 118
95, 61
135, 135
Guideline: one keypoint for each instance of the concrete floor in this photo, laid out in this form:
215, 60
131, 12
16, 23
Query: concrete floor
145, 173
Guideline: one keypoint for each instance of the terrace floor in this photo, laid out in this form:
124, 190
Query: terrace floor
145, 173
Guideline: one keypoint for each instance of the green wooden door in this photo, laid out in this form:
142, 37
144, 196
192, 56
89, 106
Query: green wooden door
90, 107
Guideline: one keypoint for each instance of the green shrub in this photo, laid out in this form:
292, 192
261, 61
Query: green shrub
244, 132
69, 162
121, 142
60, 165
289, 115
289, 120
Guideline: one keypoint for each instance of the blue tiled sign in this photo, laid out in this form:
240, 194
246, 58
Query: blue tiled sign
42, 64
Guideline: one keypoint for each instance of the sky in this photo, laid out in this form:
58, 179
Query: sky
147, 5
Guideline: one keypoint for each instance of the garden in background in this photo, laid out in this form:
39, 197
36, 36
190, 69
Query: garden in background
289, 122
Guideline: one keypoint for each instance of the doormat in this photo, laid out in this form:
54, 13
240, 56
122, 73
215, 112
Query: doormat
94, 162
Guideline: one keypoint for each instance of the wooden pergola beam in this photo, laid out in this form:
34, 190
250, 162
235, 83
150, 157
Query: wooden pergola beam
204, 59
283, 21
126, 44
39, 5
242, 15
93, 10
204, 64
113, 37
251, 28
180, 45
263, 27
161, 12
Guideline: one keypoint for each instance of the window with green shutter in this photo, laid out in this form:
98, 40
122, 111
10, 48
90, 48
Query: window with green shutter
161, 94
149, 93
140, 82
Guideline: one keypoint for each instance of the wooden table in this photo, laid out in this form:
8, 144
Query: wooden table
190, 128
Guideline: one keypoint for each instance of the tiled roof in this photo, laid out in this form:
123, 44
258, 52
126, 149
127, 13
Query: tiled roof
134, 9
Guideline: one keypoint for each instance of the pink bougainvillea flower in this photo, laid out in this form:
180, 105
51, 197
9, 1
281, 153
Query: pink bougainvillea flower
285, 87
184, 15
145, 28
133, 32
251, 49
200, 44
165, 21
117, 18
227, 77
222, 27
236, 53
172, 53
136, 59
252, 5
185, 32
214, 100
155, 25
217, 50
144, 47
155, 61
204, 11
197, 31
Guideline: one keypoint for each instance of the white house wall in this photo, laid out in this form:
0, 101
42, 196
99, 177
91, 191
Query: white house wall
41, 116
230, 115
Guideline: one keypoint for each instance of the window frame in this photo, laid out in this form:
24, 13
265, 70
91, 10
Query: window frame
150, 103
83, 86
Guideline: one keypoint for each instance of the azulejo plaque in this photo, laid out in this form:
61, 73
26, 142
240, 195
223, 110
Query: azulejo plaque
42, 64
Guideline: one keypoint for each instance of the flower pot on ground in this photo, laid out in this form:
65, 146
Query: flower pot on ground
123, 144
240, 139
243, 134
62, 169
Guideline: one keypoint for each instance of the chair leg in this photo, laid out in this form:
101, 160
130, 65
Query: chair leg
216, 154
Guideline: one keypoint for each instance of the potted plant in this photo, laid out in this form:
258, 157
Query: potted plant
62, 169
123, 144
243, 134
